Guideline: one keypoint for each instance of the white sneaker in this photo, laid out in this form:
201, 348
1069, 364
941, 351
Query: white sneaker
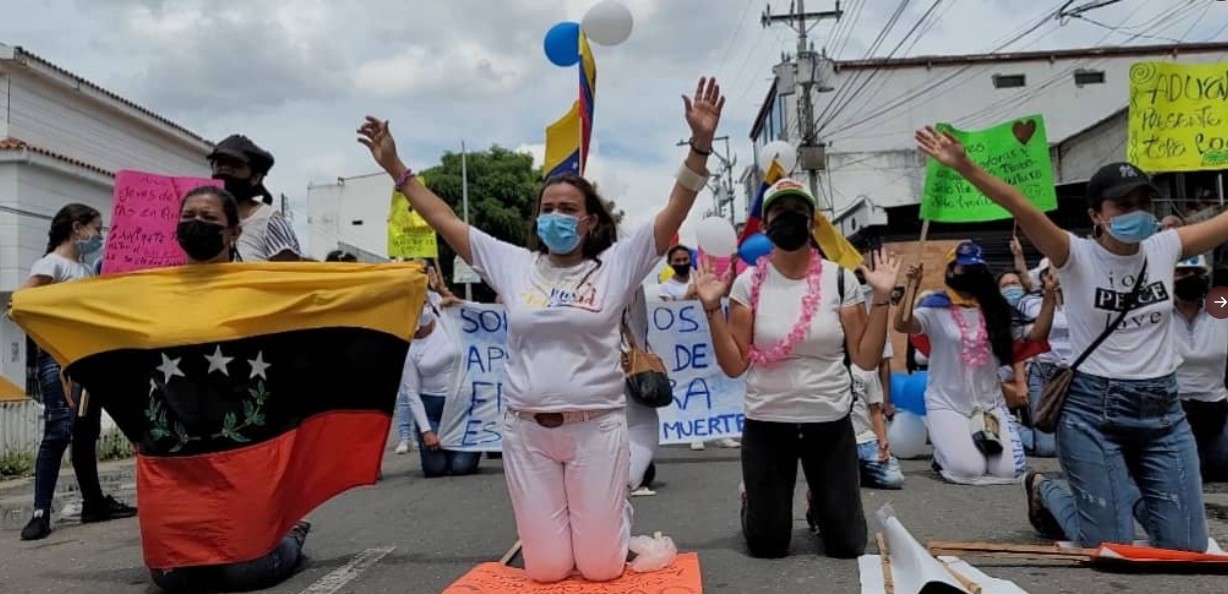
697, 446
643, 492
402, 447
728, 442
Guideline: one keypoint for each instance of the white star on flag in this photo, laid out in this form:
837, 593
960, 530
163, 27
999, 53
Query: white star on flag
259, 366
169, 368
218, 361
153, 385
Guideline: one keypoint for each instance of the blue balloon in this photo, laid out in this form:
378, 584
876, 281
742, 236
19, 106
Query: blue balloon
562, 44
898, 381
756, 246
913, 395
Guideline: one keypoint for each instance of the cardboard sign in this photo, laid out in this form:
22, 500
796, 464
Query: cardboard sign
1016, 151
681, 577
144, 219
1178, 116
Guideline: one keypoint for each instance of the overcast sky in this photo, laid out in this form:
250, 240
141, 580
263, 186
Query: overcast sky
298, 75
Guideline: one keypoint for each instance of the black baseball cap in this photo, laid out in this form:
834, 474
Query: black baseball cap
1116, 181
242, 148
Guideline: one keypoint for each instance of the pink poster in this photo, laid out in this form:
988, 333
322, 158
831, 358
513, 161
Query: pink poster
142, 233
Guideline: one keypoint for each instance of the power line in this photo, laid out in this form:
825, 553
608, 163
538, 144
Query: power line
737, 31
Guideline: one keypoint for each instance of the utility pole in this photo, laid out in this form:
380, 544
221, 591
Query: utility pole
465, 204
722, 189
811, 154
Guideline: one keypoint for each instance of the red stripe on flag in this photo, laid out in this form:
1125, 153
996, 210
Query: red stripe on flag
237, 505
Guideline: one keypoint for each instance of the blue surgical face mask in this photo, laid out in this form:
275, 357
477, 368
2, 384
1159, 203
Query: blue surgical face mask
559, 232
1013, 294
1133, 227
87, 248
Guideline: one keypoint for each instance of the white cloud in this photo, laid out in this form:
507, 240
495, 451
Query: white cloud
464, 69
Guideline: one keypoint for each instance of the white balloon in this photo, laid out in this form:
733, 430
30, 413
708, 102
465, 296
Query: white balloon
906, 435
781, 151
607, 23
716, 237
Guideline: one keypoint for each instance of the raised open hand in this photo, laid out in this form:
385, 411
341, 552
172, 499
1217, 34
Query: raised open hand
943, 147
703, 112
374, 135
710, 287
883, 278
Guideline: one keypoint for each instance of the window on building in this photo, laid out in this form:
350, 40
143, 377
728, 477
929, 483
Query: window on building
1009, 81
1089, 77
779, 115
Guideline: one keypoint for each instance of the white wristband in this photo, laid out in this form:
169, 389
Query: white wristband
691, 180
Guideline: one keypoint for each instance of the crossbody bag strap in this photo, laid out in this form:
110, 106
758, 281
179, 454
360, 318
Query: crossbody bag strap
625, 330
1131, 299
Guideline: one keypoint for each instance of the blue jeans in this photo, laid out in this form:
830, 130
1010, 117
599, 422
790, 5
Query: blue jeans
443, 462
875, 473
258, 574
404, 419
1036, 442
1114, 434
60, 428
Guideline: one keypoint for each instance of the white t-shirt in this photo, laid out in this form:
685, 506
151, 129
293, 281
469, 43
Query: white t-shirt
951, 385
430, 369
1203, 345
674, 289
60, 269
867, 390
1096, 283
812, 384
1059, 336
563, 336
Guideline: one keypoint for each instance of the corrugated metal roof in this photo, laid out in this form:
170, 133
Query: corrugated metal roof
9, 144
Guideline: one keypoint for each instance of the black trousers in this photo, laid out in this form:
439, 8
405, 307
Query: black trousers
828, 453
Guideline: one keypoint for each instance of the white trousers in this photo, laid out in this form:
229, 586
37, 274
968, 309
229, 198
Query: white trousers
644, 427
569, 492
961, 462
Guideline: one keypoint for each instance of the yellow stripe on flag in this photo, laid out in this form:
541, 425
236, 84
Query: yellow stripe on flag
165, 307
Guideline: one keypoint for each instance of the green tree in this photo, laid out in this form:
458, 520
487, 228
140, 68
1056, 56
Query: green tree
503, 187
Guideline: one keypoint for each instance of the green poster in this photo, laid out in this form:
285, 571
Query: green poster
1016, 152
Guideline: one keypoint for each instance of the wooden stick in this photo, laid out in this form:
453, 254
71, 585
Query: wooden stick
1004, 555
510, 554
1006, 549
910, 291
884, 556
963, 580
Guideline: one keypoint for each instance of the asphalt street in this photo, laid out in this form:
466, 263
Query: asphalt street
412, 535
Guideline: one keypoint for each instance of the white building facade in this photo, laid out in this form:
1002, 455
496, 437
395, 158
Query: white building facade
62, 138
351, 215
871, 161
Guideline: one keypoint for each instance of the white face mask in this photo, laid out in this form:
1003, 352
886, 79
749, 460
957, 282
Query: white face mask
426, 318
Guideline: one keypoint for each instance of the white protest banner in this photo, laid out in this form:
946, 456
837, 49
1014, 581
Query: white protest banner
707, 404
472, 414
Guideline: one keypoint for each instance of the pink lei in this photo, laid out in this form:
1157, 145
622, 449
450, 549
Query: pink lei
975, 349
810, 304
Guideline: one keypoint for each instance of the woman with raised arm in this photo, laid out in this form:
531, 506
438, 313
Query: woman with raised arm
565, 448
792, 318
1122, 422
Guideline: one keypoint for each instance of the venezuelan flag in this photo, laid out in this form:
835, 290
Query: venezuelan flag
833, 245
254, 392
569, 137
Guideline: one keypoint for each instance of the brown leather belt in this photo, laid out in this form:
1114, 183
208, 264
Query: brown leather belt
558, 419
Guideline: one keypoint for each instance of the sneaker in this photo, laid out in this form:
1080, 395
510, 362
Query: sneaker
1040, 518
402, 448
107, 509
697, 446
728, 442
299, 532
643, 491
39, 526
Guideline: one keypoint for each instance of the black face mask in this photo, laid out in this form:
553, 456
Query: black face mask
201, 241
241, 189
960, 282
681, 269
789, 230
1191, 288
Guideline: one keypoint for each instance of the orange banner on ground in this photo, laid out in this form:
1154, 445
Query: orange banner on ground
681, 577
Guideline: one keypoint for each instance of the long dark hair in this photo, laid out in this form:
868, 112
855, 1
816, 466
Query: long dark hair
62, 223
1000, 317
601, 237
230, 208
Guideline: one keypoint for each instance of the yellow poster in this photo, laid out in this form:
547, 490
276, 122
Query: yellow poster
1178, 116
409, 236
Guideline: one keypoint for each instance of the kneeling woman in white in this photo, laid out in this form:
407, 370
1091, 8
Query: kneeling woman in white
565, 450
972, 332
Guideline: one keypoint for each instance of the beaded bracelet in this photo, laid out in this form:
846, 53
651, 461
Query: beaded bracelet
404, 178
